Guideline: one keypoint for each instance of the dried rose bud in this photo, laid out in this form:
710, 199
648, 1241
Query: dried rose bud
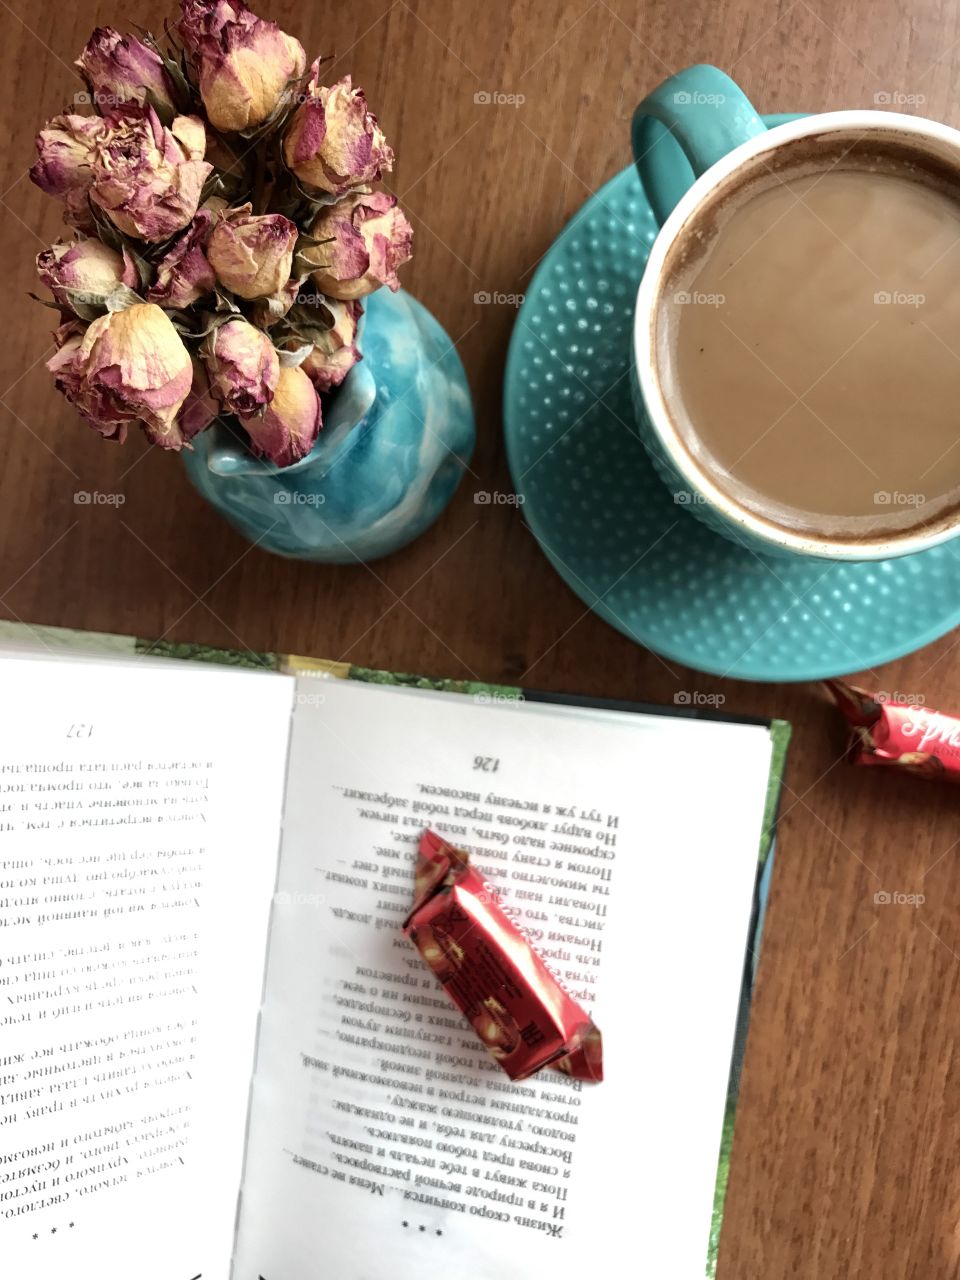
215, 204
243, 367
66, 366
289, 426
253, 254
146, 178
184, 275
67, 331
65, 151
127, 366
245, 65
366, 239
265, 312
200, 407
77, 212
122, 69
335, 354
333, 142
86, 272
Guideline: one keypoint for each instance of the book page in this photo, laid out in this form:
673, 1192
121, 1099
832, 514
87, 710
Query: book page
384, 1139
139, 827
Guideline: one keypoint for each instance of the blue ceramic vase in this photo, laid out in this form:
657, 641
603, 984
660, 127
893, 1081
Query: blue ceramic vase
397, 436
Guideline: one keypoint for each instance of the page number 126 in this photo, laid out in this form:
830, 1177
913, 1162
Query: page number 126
488, 764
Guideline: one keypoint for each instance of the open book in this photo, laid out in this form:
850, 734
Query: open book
220, 1057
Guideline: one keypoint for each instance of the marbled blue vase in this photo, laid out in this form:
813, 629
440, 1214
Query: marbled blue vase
396, 438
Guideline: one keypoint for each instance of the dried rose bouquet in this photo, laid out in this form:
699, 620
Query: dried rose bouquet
225, 232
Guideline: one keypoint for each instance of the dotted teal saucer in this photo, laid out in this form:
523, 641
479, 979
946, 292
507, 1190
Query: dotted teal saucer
610, 527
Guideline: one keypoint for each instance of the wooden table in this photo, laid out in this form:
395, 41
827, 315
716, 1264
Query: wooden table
845, 1159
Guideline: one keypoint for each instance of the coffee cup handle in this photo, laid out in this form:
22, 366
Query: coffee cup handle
683, 127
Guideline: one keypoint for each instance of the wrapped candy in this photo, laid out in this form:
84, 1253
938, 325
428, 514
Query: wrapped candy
521, 1012
889, 732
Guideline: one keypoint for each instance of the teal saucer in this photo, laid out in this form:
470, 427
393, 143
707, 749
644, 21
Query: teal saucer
610, 527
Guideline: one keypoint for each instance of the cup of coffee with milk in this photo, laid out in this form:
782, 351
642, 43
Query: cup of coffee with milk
796, 346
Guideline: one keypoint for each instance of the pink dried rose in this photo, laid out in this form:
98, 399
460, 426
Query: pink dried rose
148, 179
216, 205
122, 69
366, 239
69, 329
333, 142
65, 154
86, 272
335, 354
252, 254
243, 367
265, 312
200, 407
288, 428
127, 366
184, 275
65, 367
77, 212
245, 65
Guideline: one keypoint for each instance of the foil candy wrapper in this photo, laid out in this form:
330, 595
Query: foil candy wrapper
885, 732
521, 1012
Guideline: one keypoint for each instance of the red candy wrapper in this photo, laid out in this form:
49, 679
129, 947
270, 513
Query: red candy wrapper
894, 733
523, 1015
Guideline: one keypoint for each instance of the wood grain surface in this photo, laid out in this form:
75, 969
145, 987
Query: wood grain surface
845, 1160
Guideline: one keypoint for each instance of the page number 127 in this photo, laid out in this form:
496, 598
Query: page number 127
488, 764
